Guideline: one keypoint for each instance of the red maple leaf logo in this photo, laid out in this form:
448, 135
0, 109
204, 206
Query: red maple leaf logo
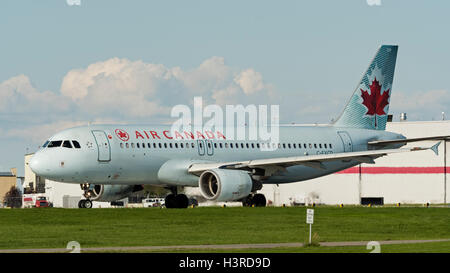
122, 135
375, 101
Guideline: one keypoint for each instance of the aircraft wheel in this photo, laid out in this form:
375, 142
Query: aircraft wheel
182, 201
81, 204
88, 204
248, 201
259, 200
170, 201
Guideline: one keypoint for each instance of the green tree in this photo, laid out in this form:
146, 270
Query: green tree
13, 198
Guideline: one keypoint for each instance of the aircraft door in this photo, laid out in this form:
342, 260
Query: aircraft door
209, 147
104, 150
201, 147
346, 140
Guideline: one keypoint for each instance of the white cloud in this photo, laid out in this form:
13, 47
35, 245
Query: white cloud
17, 95
124, 90
140, 90
250, 81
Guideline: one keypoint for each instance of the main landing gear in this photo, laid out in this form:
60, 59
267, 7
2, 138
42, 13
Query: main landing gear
85, 203
256, 200
175, 200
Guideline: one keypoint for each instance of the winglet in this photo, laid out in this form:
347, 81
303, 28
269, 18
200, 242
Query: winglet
434, 148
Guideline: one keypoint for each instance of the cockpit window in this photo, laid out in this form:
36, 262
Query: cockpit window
67, 144
45, 144
76, 144
55, 143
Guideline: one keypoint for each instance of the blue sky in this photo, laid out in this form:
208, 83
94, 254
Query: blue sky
306, 56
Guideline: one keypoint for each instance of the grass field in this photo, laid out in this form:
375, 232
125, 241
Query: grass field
53, 228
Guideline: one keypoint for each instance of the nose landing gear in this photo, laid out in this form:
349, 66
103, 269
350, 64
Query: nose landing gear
85, 203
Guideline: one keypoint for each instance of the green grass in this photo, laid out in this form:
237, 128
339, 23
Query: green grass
53, 228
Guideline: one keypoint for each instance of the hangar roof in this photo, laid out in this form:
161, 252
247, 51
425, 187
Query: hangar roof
8, 174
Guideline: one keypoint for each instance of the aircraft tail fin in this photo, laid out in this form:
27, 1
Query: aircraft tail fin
369, 105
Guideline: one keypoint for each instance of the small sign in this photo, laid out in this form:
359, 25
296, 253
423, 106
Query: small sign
310, 216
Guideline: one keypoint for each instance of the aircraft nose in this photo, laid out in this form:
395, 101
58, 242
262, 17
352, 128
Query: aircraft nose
39, 164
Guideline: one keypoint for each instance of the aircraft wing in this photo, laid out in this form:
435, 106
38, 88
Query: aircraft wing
384, 142
272, 165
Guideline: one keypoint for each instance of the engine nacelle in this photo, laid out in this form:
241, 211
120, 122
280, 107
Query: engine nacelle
110, 193
225, 185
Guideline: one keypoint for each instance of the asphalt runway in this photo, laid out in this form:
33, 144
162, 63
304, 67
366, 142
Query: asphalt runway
206, 247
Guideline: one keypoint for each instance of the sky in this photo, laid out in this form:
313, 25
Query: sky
65, 63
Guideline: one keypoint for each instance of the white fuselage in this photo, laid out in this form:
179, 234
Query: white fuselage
118, 154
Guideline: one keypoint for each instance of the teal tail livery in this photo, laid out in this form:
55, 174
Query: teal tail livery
369, 105
111, 161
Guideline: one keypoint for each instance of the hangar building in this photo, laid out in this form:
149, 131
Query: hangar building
7, 180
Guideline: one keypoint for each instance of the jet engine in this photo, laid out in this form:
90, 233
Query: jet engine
110, 193
225, 185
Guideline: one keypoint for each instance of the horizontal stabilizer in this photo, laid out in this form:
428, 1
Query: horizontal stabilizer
385, 142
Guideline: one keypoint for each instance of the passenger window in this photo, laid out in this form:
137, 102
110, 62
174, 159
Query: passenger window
320, 145
226, 145
165, 145
330, 146
121, 145
293, 145
215, 145
246, 145
253, 145
325, 145
132, 145
56, 143
220, 145
242, 145
231, 145
176, 145
127, 145
304, 145
154, 145
66, 144
315, 145
257, 145
289, 145
160, 145
170, 145
137, 145
143, 145
181, 145
149, 145
310, 145
284, 145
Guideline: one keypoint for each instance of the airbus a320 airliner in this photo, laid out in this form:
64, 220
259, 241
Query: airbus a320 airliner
112, 161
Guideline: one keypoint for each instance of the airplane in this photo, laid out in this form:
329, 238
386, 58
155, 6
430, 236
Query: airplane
110, 162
